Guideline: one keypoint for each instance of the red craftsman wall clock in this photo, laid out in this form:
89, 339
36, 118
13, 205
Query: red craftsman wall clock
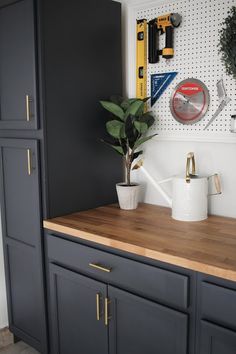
189, 101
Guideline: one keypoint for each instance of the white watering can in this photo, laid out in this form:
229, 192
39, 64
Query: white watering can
190, 193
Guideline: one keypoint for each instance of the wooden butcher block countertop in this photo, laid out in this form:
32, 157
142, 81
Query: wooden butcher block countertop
208, 246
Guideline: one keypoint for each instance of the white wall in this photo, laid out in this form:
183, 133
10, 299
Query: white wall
3, 300
166, 158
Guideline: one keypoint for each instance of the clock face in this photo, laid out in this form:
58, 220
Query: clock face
189, 101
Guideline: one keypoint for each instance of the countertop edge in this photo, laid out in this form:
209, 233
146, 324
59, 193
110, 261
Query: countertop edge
145, 252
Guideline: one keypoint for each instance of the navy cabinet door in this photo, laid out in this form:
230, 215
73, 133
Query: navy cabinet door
139, 326
20, 190
21, 221
77, 319
26, 305
17, 66
216, 340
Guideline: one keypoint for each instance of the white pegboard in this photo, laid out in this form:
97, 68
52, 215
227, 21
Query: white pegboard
196, 56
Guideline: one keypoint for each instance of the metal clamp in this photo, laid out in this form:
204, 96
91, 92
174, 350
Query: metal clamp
190, 158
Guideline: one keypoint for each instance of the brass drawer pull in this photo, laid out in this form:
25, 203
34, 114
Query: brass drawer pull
29, 162
98, 306
107, 317
98, 266
28, 100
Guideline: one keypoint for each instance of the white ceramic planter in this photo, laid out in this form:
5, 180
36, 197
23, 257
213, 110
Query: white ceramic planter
128, 196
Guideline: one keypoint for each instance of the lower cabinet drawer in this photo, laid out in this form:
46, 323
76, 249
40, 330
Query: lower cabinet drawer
218, 304
216, 340
148, 281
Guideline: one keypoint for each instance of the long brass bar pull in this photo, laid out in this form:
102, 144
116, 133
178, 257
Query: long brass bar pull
106, 315
98, 306
29, 162
28, 99
99, 267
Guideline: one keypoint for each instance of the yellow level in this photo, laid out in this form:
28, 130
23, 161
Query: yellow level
141, 59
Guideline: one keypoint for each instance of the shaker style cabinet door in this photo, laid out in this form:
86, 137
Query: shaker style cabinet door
21, 221
20, 190
25, 294
17, 66
77, 315
139, 326
216, 340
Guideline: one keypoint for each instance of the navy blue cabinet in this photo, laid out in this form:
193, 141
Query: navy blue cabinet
77, 313
26, 303
136, 306
21, 221
144, 306
87, 316
18, 98
21, 190
216, 340
57, 60
216, 316
140, 326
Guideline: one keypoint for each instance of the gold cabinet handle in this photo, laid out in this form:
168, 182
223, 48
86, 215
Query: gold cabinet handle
98, 266
29, 115
98, 306
107, 317
29, 162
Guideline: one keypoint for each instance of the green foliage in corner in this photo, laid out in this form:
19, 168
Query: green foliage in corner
227, 44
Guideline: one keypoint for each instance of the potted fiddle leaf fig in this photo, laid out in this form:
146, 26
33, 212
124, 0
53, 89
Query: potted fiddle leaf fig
127, 129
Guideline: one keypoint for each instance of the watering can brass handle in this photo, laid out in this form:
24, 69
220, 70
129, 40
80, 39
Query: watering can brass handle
217, 183
190, 158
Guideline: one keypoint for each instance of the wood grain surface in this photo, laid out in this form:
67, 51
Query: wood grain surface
208, 246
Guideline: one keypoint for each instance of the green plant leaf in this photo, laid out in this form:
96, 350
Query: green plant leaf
117, 148
113, 108
227, 42
146, 99
140, 110
141, 127
147, 118
134, 108
116, 129
143, 140
126, 103
136, 155
131, 133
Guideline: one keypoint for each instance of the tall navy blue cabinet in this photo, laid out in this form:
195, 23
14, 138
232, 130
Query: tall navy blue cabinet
57, 60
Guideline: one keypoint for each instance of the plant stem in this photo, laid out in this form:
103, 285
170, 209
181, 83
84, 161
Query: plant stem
128, 166
129, 158
128, 176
